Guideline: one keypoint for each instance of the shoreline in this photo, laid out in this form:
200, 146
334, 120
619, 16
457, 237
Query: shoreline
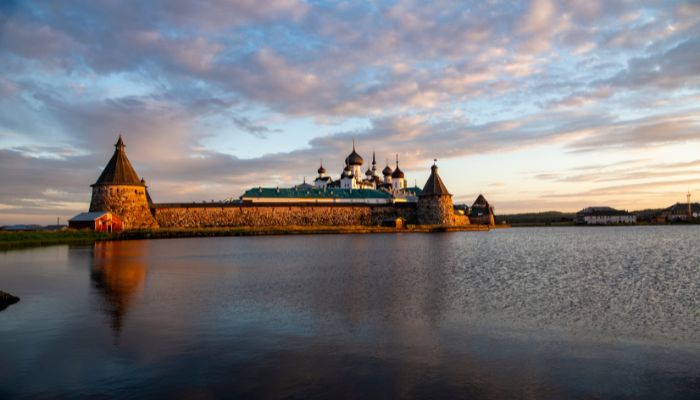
25, 239
19, 240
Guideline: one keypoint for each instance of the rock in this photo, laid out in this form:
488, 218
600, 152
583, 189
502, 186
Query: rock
7, 300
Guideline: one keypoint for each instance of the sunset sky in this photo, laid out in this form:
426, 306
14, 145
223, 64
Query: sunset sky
539, 106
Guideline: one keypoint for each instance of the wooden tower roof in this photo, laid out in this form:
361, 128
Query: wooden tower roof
481, 202
434, 186
119, 170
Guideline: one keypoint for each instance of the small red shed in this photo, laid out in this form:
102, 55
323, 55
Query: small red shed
100, 221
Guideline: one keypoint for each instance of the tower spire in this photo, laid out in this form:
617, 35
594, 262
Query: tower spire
120, 143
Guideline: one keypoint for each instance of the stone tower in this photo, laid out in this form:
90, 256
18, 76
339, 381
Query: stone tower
119, 190
482, 212
435, 202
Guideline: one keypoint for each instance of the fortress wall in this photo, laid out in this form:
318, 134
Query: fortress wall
220, 215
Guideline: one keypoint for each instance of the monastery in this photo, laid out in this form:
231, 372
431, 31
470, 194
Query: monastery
354, 199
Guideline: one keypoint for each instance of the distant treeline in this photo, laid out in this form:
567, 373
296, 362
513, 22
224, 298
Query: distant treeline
563, 218
540, 218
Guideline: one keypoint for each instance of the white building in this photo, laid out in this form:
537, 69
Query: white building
323, 180
398, 181
604, 216
353, 178
353, 186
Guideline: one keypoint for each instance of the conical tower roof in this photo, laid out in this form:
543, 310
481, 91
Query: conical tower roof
434, 186
119, 170
481, 202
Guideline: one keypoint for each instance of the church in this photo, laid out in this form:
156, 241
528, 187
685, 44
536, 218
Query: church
352, 185
393, 180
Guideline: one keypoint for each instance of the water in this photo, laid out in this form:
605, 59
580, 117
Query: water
544, 313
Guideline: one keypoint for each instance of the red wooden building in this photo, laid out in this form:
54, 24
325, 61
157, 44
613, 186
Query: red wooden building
100, 221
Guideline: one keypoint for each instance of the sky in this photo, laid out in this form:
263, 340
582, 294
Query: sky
538, 105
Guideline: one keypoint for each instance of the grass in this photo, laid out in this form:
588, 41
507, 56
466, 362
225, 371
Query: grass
10, 240
13, 240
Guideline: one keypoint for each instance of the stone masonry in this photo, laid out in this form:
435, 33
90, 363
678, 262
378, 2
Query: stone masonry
221, 215
438, 210
435, 203
129, 202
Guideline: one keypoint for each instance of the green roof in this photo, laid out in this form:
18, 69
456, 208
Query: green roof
415, 190
315, 193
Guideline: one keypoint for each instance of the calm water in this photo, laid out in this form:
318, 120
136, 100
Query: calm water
521, 313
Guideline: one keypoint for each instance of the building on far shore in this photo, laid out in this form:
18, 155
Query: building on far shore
680, 212
604, 216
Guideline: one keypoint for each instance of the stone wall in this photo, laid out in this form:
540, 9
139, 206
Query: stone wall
220, 215
438, 210
126, 201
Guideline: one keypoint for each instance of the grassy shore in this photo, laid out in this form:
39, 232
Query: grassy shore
12, 240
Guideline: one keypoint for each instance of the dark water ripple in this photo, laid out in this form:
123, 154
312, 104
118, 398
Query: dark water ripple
521, 313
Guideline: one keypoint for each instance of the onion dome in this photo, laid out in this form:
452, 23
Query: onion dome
397, 172
321, 170
347, 171
368, 172
387, 170
354, 158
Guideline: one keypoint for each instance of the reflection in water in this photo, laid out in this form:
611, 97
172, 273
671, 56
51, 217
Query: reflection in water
526, 313
118, 272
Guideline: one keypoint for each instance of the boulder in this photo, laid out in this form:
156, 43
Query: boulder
7, 300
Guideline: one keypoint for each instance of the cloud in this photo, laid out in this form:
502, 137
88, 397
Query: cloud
675, 67
632, 189
440, 79
623, 171
654, 130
